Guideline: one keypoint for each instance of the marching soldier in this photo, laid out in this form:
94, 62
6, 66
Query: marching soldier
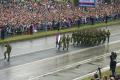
87, 37
108, 35
67, 41
73, 38
64, 41
8, 51
103, 36
59, 44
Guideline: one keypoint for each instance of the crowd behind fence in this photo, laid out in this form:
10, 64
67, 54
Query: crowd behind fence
28, 17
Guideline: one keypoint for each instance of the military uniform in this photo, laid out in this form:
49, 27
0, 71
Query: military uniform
108, 35
67, 41
7, 52
64, 42
91, 37
60, 44
86, 37
73, 38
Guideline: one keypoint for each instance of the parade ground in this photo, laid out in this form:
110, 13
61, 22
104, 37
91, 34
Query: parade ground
39, 59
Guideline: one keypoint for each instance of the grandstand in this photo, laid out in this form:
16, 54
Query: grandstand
16, 18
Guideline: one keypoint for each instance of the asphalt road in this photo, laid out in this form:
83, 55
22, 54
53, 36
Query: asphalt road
40, 60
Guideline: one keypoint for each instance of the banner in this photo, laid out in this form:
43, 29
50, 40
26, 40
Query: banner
87, 3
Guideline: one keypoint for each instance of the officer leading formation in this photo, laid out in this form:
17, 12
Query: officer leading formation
7, 52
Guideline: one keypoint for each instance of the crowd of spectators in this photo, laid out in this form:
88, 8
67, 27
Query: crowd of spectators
28, 17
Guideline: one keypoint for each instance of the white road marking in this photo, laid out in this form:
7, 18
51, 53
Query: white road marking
46, 59
66, 67
74, 64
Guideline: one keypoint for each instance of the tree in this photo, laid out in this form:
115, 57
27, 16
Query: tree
76, 2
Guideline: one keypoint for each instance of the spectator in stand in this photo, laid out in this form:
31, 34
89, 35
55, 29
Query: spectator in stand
3, 33
54, 14
31, 29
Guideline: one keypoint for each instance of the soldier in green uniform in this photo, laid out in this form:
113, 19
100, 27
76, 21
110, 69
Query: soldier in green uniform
73, 38
60, 44
64, 41
77, 38
90, 37
98, 37
8, 51
103, 36
108, 35
67, 41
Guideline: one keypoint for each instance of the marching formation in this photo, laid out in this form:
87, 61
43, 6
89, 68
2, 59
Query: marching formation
63, 42
86, 38
90, 37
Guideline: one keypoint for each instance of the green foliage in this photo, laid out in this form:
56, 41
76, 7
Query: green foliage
76, 2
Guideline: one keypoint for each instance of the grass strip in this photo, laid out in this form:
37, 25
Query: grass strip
50, 33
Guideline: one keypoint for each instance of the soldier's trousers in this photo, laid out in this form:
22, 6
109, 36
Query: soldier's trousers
8, 54
64, 46
67, 46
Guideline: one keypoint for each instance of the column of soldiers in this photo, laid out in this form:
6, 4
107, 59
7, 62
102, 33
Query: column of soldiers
90, 37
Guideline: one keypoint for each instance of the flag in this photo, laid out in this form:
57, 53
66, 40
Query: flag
59, 37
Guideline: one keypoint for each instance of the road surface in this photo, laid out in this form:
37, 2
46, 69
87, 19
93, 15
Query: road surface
40, 60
